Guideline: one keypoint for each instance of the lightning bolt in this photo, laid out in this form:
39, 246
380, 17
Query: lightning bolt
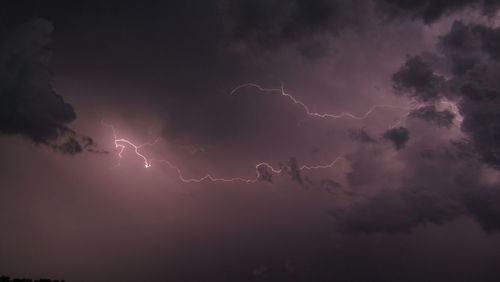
306, 109
121, 144
258, 174
452, 106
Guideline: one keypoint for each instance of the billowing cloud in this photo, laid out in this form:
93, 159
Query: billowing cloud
398, 136
464, 71
264, 173
470, 61
417, 79
430, 11
270, 24
29, 106
398, 211
401, 210
484, 204
432, 115
294, 171
433, 187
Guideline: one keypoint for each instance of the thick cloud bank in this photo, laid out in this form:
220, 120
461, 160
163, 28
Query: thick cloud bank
28, 104
439, 179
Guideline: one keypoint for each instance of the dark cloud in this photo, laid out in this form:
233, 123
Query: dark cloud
435, 187
361, 135
462, 39
401, 210
466, 41
295, 171
430, 11
270, 24
264, 173
417, 79
468, 55
459, 150
484, 205
29, 106
432, 115
467, 58
476, 86
490, 40
398, 211
478, 93
398, 136
369, 169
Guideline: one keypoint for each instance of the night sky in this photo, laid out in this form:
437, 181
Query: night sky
250, 140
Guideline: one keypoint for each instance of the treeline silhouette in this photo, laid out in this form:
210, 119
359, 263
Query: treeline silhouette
8, 279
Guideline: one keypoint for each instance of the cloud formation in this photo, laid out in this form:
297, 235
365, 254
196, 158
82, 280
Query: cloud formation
417, 80
270, 24
433, 187
399, 210
361, 135
398, 136
468, 56
29, 106
432, 115
464, 71
431, 11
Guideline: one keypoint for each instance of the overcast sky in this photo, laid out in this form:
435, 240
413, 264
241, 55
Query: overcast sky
299, 140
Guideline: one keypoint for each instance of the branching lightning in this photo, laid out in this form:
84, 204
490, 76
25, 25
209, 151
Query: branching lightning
258, 175
306, 109
263, 167
122, 143
452, 106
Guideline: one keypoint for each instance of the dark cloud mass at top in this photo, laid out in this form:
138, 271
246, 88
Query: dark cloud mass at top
29, 106
271, 24
430, 11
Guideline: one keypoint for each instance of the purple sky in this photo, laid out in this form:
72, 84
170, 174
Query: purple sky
414, 197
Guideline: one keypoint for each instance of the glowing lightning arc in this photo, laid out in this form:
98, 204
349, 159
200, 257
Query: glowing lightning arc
241, 179
121, 144
306, 109
451, 105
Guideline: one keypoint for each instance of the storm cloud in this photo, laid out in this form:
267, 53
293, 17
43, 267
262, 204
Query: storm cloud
398, 136
416, 79
29, 106
463, 72
268, 25
372, 135
471, 65
430, 11
434, 116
